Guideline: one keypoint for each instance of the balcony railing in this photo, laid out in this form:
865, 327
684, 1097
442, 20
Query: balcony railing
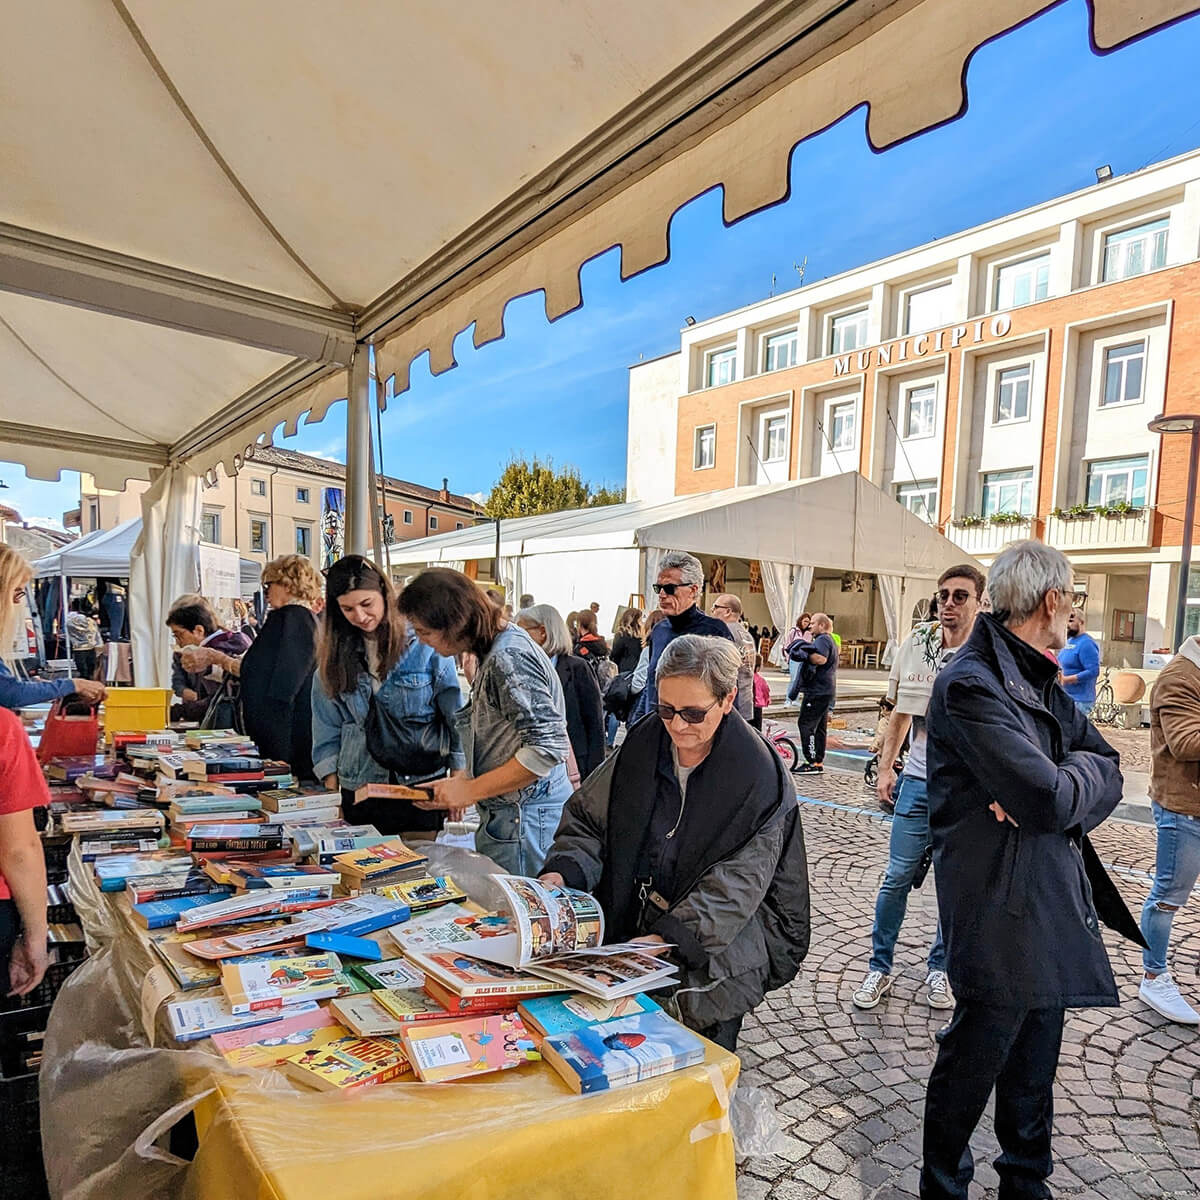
1098, 532
987, 539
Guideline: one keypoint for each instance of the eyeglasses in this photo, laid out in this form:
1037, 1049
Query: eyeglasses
669, 589
959, 596
691, 716
722, 607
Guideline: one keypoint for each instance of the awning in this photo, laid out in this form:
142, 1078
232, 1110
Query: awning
842, 523
215, 204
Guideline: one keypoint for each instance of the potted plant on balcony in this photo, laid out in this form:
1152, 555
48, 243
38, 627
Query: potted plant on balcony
1076, 512
967, 521
1007, 518
1118, 510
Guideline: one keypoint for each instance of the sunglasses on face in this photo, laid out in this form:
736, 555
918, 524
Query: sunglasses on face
691, 716
958, 596
668, 589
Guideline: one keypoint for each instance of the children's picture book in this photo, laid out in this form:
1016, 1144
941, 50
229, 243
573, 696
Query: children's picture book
191, 971
609, 971
365, 1016
550, 1016
421, 894
450, 925
278, 982
396, 973
206, 1015
444, 1050
268, 1045
545, 923
388, 855
618, 1053
412, 1004
349, 1064
474, 977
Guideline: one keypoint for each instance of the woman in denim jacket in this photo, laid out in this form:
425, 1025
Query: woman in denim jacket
368, 651
514, 729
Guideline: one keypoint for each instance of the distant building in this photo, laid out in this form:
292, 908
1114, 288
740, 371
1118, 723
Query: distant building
278, 504
998, 382
32, 540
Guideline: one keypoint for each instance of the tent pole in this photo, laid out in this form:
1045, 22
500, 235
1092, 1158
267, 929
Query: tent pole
358, 454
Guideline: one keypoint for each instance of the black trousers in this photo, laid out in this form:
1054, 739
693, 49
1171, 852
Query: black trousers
85, 663
724, 1033
1014, 1050
814, 714
10, 930
756, 720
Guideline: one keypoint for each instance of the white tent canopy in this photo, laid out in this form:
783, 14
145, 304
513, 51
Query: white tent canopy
106, 553
842, 522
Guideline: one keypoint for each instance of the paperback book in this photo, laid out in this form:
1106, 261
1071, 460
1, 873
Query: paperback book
457, 1005
428, 892
474, 977
396, 973
550, 1016
295, 800
280, 982
269, 1045
365, 1016
377, 859
411, 1004
444, 1050
609, 972
207, 1015
349, 1064
155, 914
258, 903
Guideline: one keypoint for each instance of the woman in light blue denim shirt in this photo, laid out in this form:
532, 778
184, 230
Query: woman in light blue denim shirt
368, 651
514, 729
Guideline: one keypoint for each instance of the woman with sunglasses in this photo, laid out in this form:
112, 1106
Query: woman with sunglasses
690, 836
514, 727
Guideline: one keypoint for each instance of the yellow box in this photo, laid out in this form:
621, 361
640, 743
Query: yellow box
136, 710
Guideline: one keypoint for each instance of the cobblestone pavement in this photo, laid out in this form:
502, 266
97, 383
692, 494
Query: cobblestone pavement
848, 1086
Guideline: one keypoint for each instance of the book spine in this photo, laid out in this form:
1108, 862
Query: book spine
263, 845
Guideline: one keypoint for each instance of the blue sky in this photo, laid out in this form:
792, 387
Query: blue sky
1043, 113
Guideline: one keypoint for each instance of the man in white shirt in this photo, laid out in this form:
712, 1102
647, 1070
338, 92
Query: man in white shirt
728, 608
921, 656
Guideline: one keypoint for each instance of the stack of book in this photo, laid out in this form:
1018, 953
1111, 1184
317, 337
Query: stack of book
380, 864
104, 832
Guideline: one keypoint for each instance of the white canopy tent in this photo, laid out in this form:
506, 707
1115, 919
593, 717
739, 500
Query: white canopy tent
218, 210
842, 522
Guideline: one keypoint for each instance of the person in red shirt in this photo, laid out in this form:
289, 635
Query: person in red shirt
22, 865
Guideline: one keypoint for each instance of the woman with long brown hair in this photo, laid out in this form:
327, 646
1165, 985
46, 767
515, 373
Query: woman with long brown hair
515, 723
379, 694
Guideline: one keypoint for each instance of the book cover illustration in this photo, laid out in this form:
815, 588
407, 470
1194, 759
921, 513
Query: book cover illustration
445, 1050
277, 982
467, 976
268, 1045
429, 892
388, 855
207, 1015
554, 1015
349, 1064
450, 925
619, 1053
410, 1004
396, 973
609, 971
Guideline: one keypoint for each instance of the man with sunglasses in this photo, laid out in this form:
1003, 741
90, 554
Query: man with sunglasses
921, 656
680, 580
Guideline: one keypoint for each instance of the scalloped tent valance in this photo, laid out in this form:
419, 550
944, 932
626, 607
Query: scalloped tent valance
216, 207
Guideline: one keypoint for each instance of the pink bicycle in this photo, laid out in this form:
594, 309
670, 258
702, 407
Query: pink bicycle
779, 738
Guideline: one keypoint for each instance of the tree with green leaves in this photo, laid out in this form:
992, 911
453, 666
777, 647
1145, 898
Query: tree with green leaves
527, 487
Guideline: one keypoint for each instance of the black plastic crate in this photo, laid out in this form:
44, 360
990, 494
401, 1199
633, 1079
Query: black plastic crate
43, 995
21, 1171
56, 850
62, 914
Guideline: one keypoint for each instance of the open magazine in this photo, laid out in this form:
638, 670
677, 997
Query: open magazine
557, 934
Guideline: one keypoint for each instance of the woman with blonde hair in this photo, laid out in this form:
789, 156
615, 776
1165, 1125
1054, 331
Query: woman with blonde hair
15, 574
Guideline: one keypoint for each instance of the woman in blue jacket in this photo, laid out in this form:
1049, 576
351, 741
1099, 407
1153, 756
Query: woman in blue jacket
15, 574
367, 652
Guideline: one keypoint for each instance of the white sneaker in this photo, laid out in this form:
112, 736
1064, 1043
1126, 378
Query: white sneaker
872, 989
939, 994
1163, 996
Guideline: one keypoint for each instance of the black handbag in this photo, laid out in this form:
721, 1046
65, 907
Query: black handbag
224, 710
416, 746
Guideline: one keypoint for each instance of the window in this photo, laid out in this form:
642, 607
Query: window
304, 540
719, 367
258, 535
258, 487
919, 497
1124, 374
705, 453
1012, 394
918, 411
1008, 492
928, 308
774, 446
408, 516
848, 331
1135, 251
301, 497
210, 527
458, 525
93, 514
780, 351
842, 421
1023, 282
1111, 480
433, 524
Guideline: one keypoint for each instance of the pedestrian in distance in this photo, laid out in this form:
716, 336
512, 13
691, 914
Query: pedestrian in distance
84, 631
1017, 777
762, 694
1079, 663
817, 679
690, 835
678, 586
800, 632
192, 622
728, 608
527, 600
921, 657
1174, 768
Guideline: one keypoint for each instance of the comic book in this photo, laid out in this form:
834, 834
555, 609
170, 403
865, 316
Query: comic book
471, 1046
609, 972
395, 973
449, 925
474, 977
429, 892
348, 1064
269, 1045
277, 982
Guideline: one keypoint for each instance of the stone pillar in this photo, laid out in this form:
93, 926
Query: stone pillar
1160, 606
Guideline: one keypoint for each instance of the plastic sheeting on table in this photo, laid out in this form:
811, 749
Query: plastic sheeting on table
113, 1083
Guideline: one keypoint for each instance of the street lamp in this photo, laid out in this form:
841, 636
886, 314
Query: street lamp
1183, 423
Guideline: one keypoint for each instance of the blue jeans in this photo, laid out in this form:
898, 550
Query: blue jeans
518, 837
793, 671
613, 724
910, 836
1176, 867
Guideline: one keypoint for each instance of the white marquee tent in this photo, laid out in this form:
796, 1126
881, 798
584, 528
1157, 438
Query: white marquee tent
218, 210
841, 522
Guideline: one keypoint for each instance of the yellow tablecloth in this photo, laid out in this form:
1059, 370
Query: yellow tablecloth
520, 1135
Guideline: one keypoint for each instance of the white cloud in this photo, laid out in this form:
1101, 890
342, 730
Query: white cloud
478, 497
47, 523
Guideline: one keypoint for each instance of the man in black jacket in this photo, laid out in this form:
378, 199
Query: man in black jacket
1017, 778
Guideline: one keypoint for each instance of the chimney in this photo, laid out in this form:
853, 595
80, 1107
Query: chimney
445, 489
